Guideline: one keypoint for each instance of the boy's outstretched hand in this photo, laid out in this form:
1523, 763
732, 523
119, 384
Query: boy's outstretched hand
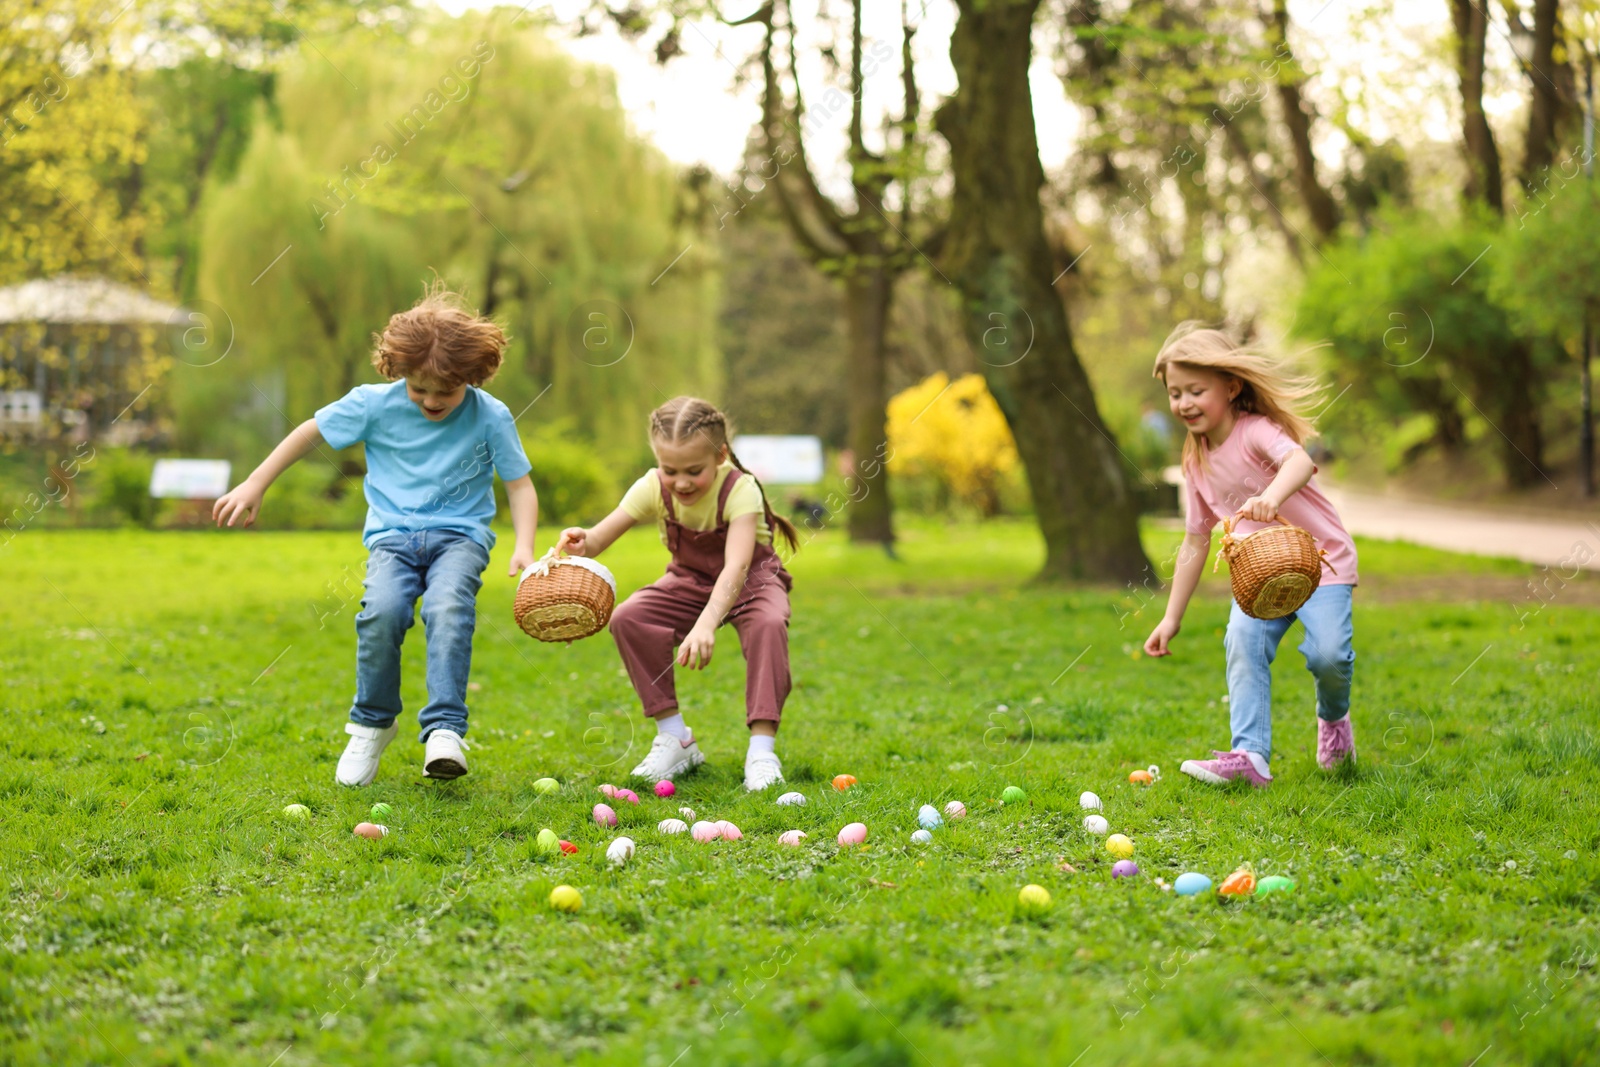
242, 502
1156, 644
521, 558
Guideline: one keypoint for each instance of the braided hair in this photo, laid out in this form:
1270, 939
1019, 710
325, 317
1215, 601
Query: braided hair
684, 417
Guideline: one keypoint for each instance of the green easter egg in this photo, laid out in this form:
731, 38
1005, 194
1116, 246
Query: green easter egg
297, 811
1013, 795
1276, 883
547, 842
546, 785
381, 810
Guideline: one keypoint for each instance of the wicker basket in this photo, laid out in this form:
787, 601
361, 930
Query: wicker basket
564, 598
1274, 570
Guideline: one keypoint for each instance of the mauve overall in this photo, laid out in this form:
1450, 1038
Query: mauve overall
656, 618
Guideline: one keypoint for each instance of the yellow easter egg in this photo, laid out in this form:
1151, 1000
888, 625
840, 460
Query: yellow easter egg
565, 898
1120, 846
1034, 897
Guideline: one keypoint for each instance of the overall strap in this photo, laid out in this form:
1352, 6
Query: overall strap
666, 497
722, 497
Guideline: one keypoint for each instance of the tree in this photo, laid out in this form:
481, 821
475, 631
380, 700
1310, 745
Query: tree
997, 254
1483, 185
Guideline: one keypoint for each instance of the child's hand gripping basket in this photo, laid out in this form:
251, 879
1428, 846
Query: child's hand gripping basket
563, 598
1274, 570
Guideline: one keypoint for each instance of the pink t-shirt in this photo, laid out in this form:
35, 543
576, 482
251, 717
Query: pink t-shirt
1242, 467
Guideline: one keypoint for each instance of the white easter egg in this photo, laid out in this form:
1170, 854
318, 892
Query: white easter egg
1096, 824
672, 826
1090, 802
792, 799
620, 851
921, 837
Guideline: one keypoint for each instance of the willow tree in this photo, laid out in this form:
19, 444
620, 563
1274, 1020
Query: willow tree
998, 256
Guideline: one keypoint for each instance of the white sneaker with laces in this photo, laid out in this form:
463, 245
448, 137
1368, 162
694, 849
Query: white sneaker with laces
761, 770
668, 756
359, 764
443, 756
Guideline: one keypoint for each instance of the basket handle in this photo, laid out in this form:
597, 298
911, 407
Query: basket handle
1228, 541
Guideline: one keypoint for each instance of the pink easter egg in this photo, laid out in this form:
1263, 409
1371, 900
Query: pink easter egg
608, 790
730, 832
627, 794
705, 831
854, 834
665, 788
370, 831
604, 816
791, 837
955, 810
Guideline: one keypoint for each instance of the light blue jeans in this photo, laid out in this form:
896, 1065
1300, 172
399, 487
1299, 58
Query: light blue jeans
445, 569
1252, 645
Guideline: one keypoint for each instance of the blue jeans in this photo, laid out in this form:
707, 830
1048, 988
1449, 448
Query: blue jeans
1252, 645
445, 568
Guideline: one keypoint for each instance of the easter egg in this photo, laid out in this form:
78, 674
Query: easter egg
665, 788
955, 810
547, 842
627, 794
797, 800
1013, 795
370, 831
672, 826
687, 813
1119, 846
381, 810
844, 781
791, 837
1124, 869
546, 785
620, 851
1274, 883
705, 831
928, 817
1140, 778
1096, 825
729, 831
565, 898
297, 811
1240, 883
567, 847
853, 834
604, 816
608, 790
921, 837
1034, 897
1191, 883
1090, 802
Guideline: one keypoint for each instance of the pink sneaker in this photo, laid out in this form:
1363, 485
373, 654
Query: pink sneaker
1225, 767
1336, 742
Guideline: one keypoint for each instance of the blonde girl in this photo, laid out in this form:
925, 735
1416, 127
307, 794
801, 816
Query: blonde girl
1245, 455
715, 520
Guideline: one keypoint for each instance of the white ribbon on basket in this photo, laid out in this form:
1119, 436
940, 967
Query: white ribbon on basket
543, 565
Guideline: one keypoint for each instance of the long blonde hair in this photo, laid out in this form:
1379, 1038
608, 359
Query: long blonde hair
1268, 385
684, 417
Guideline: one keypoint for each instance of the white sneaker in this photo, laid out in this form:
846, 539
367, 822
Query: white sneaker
762, 770
669, 756
443, 756
359, 764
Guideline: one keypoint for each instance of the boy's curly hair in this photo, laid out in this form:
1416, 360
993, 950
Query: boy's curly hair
440, 339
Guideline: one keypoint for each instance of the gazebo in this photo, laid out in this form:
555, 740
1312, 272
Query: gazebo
73, 351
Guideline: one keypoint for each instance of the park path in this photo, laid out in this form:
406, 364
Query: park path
1549, 541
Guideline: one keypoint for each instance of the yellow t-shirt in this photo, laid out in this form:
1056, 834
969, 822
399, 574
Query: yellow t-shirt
643, 503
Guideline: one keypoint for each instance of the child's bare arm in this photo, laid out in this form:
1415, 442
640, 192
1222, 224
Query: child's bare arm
523, 501
1185, 577
244, 501
577, 541
1295, 471
695, 652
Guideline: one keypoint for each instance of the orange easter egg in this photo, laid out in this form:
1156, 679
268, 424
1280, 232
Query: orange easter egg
1140, 778
1240, 883
844, 781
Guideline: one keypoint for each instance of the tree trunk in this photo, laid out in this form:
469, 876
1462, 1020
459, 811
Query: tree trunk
1297, 122
1512, 398
998, 257
1552, 94
868, 293
1483, 159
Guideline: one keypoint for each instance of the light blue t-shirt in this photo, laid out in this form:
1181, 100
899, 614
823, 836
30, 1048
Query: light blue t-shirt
425, 475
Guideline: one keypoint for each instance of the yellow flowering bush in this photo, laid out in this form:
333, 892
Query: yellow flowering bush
954, 432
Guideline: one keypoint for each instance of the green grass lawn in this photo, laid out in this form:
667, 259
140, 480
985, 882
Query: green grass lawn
167, 694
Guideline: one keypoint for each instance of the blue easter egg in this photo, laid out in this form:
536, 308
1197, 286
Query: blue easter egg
928, 817
1191, 884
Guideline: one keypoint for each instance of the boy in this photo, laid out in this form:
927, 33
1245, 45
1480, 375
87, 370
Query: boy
434, 441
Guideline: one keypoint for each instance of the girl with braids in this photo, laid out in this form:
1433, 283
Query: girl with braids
715, 520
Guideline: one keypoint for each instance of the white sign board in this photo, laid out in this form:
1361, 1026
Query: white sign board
190, 479
786, 460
